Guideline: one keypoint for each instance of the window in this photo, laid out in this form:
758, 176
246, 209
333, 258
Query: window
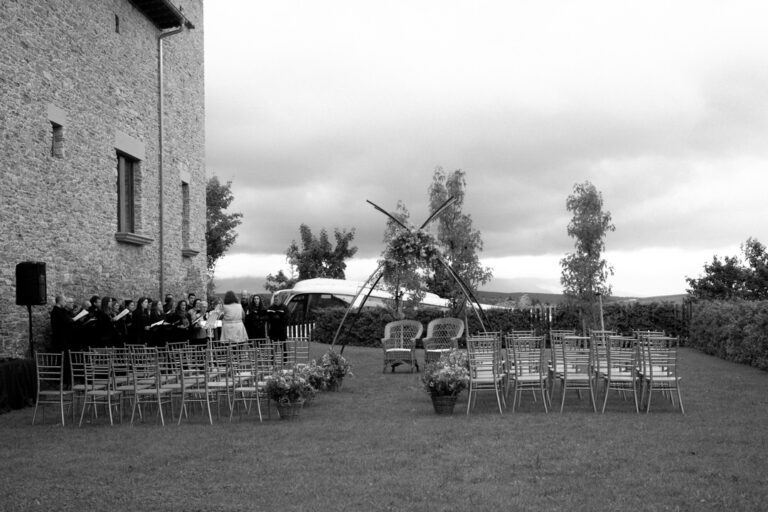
184, 214
57, 140
127, 171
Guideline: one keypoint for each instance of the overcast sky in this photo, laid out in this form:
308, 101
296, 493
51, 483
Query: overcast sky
314, 107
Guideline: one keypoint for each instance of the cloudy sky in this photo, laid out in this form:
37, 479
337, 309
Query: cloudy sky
314, 107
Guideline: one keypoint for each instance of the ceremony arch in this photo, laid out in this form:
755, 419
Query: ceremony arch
373, 280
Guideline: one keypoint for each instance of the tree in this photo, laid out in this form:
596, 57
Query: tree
316, 257
219, 226
459, 243
280, 281
730, 278
585, 272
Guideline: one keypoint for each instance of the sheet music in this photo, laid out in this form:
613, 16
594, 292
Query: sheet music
122, 314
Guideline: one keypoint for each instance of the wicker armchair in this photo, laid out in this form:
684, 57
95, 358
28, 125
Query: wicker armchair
443, 334
399, 343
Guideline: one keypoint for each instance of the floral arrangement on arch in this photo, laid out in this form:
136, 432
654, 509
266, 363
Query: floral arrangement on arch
408, 257
447, 376
411, 249
288, 386
334, 367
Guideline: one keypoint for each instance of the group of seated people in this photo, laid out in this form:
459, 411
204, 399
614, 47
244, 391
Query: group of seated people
108, 322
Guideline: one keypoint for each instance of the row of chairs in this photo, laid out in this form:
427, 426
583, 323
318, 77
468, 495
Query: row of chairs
164, 378
647, 360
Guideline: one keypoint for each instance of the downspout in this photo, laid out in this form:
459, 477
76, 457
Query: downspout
161, 110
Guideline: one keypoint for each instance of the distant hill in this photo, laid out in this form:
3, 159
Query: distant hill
557, 298
256, 285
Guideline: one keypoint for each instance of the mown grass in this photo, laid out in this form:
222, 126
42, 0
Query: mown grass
377, 445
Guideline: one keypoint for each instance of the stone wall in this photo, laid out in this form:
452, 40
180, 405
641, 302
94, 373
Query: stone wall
75, 90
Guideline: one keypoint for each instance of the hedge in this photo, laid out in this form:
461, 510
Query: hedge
367, 328
734, 331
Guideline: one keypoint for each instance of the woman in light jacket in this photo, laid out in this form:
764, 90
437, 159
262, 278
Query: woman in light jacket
232, 327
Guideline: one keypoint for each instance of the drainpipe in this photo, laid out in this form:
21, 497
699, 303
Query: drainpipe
161, 109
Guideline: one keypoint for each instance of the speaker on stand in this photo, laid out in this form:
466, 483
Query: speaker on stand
31, 290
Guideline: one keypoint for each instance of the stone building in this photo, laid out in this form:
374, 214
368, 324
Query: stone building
102, 173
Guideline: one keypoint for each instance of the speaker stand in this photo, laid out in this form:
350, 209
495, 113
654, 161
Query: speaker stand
31, 345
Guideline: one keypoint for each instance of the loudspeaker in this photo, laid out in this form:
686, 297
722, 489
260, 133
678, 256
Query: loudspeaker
30, 284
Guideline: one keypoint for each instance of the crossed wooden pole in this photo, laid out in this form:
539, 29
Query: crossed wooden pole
373, 280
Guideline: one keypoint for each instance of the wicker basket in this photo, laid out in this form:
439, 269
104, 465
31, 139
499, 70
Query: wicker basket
289, 410
444, 404
335, 385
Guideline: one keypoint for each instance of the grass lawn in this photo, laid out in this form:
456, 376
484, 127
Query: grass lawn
377, 445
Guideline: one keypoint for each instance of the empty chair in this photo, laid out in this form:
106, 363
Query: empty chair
50, 384
296, 351
443, 334
247, 385
485, 368
660, 369
99, 385
527, 368
194, 379
576, 367
399, 343
620, 370
521, 333
149, 380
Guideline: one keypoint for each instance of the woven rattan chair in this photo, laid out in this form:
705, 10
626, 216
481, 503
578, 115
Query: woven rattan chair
443, 334
399, 343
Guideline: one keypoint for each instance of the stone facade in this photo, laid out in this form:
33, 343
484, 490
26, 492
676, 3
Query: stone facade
79, 84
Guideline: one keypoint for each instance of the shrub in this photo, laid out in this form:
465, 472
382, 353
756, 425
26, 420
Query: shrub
734, 331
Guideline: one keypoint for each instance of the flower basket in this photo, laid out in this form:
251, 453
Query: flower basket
444, 404
289, 410
445, 379
334, 368
335, 385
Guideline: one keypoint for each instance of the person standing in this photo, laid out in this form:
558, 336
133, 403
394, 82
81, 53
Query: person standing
232, 328
105, 331
179, 321
159, 331
168, 306
141, 323
62, 324
62, 329
256, 318
198, 334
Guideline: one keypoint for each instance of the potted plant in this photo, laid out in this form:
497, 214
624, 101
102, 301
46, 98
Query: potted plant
445, 378
335, 368
314, 375
289, 389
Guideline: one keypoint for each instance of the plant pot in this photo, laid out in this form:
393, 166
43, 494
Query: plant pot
289, 410
335, 385
444, 404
